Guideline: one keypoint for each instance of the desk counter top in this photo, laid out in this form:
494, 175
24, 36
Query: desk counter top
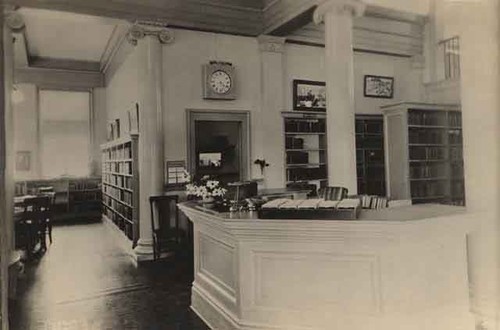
403, 213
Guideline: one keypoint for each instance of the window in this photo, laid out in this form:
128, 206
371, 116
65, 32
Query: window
451, 52
64, 133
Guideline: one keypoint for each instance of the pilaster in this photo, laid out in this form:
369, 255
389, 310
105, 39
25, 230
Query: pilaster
270, 130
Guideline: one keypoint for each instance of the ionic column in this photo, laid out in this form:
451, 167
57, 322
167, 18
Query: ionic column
269, 131
149, 40
337, 16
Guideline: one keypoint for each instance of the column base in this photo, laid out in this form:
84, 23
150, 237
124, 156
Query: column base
144, 250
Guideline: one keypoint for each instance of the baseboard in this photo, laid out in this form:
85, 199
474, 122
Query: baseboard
118, 236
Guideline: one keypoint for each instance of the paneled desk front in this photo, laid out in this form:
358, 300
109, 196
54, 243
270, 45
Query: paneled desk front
401, 268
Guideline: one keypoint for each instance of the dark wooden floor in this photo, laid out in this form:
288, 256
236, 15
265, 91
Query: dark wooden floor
84, 281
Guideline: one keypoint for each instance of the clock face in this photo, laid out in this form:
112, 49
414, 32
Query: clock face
220, 82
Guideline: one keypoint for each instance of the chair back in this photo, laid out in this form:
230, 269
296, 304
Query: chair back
37, 208
333, 193
162, 210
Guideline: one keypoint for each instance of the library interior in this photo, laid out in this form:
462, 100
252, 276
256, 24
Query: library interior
242, 164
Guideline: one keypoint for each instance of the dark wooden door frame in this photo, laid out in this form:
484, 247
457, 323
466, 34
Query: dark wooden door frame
241, 116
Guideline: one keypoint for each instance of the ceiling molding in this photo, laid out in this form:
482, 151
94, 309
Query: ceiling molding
281, 13
59, 78
64, 64
118, 36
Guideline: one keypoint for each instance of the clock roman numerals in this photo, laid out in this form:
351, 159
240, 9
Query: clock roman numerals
220, 82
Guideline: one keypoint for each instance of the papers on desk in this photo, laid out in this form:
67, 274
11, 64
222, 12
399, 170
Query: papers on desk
349, 203
301, 204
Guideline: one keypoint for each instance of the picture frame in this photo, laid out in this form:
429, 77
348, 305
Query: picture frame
175, 174
309, 95
23, 161
133, 119
378, 86
111, 131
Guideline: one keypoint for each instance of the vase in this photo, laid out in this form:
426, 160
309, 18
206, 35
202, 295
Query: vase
208, 202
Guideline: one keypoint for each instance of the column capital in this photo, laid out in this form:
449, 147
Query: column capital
140, 29
14, 20
271, 44
355, 8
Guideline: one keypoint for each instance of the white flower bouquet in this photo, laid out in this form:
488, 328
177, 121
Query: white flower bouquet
206, 188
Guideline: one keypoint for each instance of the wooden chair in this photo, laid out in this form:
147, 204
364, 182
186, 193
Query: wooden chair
35, 223
166, 238
333, 193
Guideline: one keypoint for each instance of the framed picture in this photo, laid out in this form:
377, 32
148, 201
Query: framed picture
117, 129
379, 86
309, 95
23, 161
175, 174
133, 119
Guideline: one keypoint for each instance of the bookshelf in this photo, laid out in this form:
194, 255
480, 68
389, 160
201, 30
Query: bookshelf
370, 163
427, 139
120, 184
75, 197
305, 149
84, 196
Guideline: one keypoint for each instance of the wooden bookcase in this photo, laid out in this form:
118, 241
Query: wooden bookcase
75, 198
370, 163
84, 196
305, 149
424, 153
120, 184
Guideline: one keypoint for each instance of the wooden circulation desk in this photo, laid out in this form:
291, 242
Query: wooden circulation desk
400, 268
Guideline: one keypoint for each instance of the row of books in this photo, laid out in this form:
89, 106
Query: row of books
427, 118
435, 118
85, 196
123, 225
119, 194
455, 136
117, 180
427, 153
427, 171
83, 184
123, 168
122, 152
118, 207
373, 202
300, 174
305, 125
426, 136
427, 188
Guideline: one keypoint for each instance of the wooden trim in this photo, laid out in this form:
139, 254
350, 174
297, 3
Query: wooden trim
242, 116
59, 78
64, 64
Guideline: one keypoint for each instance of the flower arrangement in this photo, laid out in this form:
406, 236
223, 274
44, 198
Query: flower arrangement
204, 188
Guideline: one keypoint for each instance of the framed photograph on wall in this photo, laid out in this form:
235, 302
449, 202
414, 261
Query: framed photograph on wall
309, 95
379, 86
133, 119
23, 161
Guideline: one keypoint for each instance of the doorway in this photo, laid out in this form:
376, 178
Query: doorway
218, 144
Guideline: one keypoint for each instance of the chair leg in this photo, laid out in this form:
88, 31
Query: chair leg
49, 228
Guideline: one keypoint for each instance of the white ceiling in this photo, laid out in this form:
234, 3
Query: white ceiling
64, 35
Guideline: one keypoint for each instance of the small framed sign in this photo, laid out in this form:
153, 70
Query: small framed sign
309, 95
379, 86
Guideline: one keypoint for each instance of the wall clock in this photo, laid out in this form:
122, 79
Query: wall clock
218, 81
